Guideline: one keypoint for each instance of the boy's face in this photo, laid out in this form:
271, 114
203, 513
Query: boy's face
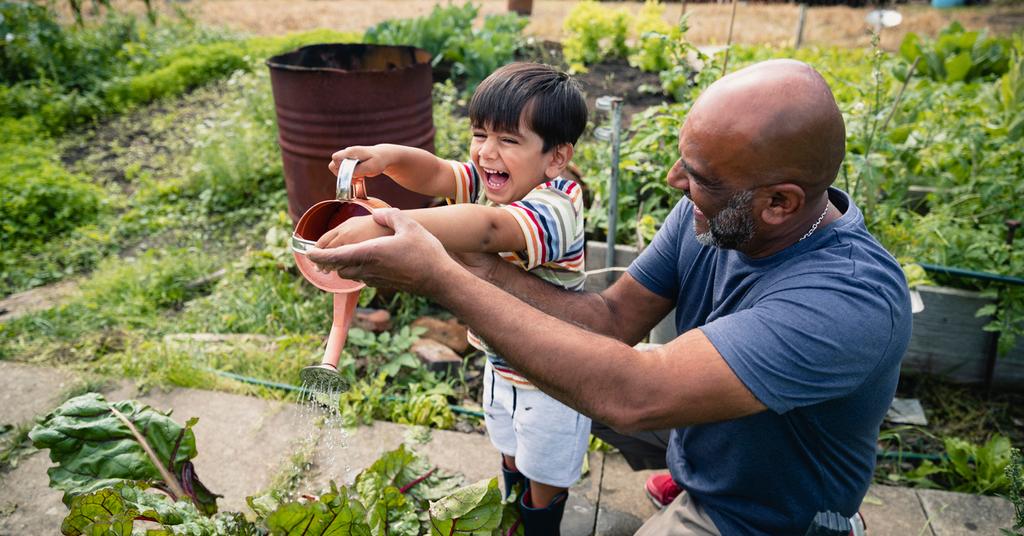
512, 164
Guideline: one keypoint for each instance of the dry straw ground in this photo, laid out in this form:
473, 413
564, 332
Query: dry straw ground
755, 23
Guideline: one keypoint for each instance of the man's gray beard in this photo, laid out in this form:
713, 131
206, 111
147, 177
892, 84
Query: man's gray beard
733, 226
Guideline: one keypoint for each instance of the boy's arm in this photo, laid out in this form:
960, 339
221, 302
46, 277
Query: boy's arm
462, 228
412, 168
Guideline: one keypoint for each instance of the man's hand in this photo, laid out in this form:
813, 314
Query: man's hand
352, 231
373, 160
412, 260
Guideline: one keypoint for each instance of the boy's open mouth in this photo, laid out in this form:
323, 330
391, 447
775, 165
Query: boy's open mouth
495, 179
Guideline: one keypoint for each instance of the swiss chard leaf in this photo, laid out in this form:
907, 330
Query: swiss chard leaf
392, 514
476, 509
113, 512
335, 514
101, 513
94, 449
401, 468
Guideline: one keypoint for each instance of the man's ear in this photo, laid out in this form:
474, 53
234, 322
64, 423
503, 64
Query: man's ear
784, 200
560, 156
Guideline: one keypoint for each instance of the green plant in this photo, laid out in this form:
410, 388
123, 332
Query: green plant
1015, 475
107, 497
594, 32
957, 55
452, 132
494, 45
449, 35
387, 353
653, 50
125, 441
968, 467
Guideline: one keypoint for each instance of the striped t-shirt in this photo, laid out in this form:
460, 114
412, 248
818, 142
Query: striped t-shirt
551, 218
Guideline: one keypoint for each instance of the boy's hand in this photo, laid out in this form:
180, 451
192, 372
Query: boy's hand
353, 230
373, 160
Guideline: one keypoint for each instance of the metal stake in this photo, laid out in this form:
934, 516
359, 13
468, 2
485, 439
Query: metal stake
613, 104
800, 26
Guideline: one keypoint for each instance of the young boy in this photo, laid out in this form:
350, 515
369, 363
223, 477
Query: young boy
508, 199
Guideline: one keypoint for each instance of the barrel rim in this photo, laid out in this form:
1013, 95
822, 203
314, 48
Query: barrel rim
274, 61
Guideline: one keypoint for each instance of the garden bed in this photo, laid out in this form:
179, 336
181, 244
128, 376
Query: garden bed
190, 186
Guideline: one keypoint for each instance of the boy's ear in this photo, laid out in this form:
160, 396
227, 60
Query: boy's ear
560, 157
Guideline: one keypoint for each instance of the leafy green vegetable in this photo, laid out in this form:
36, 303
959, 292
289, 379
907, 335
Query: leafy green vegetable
403, 469
114, 511
94, 449
334, 514
968, 467
476, 509
449, 34
957, 55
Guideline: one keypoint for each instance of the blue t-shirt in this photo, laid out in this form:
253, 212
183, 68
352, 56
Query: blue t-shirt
816, 332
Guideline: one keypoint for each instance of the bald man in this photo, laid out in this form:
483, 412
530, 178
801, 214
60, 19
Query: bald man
792, 319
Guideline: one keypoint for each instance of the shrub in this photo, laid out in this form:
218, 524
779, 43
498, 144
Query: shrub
593, 33
957, 55
448, 34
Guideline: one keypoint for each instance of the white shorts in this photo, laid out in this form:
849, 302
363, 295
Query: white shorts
547, 438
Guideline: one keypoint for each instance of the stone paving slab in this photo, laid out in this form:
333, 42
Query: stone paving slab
961, 514
242, 441
27, 391
36, 299
623, 505
892, 511
25, 495
27, 504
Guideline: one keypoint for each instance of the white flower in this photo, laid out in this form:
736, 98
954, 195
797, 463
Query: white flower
9, 37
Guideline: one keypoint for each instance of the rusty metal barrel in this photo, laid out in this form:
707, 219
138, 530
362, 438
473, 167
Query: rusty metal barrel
331, 96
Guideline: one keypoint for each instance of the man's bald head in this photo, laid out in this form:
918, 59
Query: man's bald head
775, 121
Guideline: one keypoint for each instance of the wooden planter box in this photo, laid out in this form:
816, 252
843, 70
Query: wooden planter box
947, 339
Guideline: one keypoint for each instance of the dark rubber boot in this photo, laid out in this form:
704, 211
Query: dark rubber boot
542, 521
511, 479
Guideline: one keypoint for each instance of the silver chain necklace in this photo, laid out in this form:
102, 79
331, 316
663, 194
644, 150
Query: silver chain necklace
816, 223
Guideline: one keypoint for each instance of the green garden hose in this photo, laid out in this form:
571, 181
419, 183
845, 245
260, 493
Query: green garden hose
296, 388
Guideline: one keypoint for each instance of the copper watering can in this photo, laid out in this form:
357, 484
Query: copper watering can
351, 201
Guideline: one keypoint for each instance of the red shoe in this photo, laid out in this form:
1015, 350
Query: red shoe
662, 490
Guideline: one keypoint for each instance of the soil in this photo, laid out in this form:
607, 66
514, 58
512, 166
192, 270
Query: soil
614, 77
148, 140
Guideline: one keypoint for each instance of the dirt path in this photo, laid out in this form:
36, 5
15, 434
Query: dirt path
755, 23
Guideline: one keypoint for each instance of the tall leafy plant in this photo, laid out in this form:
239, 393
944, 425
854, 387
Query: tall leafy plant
958, 55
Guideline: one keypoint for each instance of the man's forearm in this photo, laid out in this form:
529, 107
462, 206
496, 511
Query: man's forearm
588, 310
565, 361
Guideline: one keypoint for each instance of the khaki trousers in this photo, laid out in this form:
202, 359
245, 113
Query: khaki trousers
682, 517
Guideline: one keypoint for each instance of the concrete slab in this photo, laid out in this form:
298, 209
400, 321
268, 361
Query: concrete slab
30, 390
36, 299
242, 441
960, 514
892, 511
623, 505
31, 507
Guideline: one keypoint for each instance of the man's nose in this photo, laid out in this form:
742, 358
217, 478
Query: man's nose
677, 179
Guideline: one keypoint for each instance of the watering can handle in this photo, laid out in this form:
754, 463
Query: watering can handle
343, 190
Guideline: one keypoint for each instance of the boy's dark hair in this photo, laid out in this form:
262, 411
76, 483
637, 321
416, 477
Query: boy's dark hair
553, 101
